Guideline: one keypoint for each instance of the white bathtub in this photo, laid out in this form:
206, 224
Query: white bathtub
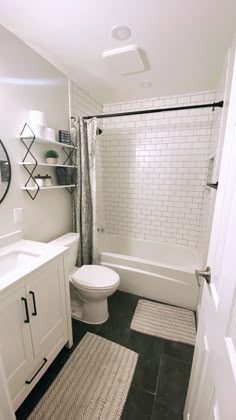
159, 271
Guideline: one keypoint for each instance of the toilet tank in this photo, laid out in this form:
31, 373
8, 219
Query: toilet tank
71, 241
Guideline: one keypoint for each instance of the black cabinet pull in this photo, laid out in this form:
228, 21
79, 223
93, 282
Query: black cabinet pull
44, 361
34, 303
26, 310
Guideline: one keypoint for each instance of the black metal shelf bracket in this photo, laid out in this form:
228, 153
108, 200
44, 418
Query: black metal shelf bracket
70, 156
28, 152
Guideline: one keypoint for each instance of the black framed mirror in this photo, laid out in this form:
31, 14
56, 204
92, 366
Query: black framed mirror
5, 172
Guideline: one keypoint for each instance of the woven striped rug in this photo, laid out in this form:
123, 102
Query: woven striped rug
93, 384
164, 321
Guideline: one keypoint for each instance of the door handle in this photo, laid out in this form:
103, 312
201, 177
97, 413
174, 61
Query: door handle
26, 310
36, 373
205, 274
34, 302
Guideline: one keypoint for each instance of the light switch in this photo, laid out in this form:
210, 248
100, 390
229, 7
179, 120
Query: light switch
18, 215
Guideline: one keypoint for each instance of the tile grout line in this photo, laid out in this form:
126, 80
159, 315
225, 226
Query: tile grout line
158, 377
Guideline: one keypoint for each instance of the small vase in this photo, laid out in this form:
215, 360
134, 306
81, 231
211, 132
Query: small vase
51, 161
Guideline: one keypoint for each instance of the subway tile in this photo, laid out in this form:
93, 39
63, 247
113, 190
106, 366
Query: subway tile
153, 167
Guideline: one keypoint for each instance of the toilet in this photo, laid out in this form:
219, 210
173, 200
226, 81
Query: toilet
93, 283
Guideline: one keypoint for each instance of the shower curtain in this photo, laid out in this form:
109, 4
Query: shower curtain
84, 200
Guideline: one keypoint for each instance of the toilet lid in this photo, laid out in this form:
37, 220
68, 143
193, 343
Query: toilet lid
95, 276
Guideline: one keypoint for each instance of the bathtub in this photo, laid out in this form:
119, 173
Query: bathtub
159, 271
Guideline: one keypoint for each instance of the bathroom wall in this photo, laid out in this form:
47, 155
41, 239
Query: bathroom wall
27, 81
155, 169
81, 103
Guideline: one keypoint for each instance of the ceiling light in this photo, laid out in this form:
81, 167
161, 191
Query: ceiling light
121, 32
145, 84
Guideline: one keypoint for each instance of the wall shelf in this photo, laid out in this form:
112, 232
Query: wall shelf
46, 164
48, 188
45, 141
28, 138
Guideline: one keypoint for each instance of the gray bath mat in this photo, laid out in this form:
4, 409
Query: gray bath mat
92, 385
164, 321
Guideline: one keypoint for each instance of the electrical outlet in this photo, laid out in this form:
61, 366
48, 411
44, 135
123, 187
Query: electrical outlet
18, 215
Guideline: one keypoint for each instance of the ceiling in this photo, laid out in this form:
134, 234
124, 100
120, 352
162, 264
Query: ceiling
183, 43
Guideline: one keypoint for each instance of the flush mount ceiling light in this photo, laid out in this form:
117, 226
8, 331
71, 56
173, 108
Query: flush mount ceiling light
145, 84
121, 32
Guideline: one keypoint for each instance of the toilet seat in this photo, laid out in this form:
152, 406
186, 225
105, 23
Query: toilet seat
95, 277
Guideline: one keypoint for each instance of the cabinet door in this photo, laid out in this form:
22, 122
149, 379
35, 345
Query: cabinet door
47, 307
15, 341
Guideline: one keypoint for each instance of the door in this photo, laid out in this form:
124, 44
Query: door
15, 341
212, 388
47, 309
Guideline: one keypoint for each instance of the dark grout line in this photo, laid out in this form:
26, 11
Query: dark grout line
176, 358
143, 390
158, 377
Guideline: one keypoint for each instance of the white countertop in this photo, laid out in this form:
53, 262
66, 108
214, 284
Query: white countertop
42, 251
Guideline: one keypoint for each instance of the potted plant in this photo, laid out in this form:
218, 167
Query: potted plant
51, 156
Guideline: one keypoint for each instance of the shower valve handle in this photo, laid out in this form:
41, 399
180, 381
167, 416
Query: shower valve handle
205, 274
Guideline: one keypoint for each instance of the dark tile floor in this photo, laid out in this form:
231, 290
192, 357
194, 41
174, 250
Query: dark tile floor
160, 382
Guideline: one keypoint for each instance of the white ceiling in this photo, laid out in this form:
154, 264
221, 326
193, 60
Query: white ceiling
183, 42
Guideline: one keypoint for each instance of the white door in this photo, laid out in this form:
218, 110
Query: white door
212, 388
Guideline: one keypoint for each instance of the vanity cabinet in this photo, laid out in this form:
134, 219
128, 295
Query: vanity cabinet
33, 327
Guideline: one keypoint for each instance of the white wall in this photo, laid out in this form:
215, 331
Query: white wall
155, 169
27, 81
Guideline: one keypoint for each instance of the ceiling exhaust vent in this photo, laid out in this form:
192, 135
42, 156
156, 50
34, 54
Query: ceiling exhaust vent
126, 60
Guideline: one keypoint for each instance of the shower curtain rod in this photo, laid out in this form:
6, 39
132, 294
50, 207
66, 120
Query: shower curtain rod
149, 111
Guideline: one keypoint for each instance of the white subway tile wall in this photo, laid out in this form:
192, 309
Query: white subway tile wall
152, 168
81, 103
155, 169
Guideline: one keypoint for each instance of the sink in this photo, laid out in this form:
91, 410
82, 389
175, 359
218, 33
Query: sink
15, 259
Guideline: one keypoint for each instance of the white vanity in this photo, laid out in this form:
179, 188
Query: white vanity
35, 314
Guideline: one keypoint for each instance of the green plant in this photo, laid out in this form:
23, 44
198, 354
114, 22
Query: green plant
51, 154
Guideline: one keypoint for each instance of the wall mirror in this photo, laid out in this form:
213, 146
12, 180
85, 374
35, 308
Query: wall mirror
5, 172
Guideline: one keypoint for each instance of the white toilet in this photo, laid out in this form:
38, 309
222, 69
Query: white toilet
94, 283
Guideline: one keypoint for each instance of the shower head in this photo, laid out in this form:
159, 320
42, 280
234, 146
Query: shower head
99, 131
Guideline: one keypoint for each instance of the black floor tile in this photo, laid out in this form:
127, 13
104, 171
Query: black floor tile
138, 405
79, 330
149, 349
178, 350
172, 386
116, 338
121, 309
164, 410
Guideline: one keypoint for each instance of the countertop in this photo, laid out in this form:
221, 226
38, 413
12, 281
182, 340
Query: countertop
43, 252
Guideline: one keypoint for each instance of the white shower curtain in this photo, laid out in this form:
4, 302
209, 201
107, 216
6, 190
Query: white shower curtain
84, 199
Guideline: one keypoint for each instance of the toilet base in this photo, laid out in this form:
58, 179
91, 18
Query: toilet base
86, 322
94, 312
